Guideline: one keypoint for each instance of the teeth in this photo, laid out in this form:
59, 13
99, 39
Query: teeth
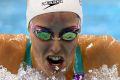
52, 59
56, 58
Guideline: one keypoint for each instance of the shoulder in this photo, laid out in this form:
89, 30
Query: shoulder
12, 50
99, 50
90, 41
13, 42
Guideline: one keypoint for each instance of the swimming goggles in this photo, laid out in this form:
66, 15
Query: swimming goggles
46, 34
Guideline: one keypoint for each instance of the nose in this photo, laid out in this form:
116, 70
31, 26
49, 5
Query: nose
56, 48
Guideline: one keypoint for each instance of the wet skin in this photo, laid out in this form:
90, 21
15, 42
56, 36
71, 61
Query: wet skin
40, 49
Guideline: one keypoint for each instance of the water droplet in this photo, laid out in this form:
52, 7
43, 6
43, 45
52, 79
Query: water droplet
57, 68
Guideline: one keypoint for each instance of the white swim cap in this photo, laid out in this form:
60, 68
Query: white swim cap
38, 7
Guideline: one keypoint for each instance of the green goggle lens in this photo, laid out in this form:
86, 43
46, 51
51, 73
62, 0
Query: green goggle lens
69, 36
44, 35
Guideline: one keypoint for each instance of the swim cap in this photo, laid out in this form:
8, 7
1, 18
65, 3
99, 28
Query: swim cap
38, 7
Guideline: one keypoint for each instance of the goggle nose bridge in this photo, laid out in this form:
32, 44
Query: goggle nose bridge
56, 38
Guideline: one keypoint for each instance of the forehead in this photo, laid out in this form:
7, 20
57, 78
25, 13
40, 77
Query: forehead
56, 20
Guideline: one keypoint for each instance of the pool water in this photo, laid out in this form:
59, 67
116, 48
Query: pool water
100, 17
103, 73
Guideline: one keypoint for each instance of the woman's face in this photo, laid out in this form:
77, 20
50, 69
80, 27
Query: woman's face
54, 54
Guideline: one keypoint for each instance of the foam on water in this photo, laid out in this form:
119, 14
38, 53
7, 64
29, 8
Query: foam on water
103, 73
28, 74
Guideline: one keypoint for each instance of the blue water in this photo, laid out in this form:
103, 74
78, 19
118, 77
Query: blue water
101, 17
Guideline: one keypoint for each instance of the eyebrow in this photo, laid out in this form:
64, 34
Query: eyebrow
41, 27
72, 28
69, 28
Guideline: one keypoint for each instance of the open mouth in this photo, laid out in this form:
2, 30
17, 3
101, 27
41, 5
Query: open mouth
55, 60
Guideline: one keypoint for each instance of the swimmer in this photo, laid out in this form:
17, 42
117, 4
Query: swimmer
53, 33
55, 46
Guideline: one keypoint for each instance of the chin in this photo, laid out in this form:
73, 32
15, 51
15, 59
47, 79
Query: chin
50, 72
54, 65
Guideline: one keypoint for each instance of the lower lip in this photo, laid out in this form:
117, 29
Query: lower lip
56, 67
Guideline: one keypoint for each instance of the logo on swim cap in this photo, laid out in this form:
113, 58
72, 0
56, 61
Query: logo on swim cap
80, 1
51, 3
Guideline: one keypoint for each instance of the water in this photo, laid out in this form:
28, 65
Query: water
101, 17
29, 74
103, 73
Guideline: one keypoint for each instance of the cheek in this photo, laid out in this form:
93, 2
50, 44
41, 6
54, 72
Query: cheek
38, 45
71, 58
70, 49
70, 46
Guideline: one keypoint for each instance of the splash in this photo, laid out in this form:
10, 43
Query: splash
103, 73
28, 74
